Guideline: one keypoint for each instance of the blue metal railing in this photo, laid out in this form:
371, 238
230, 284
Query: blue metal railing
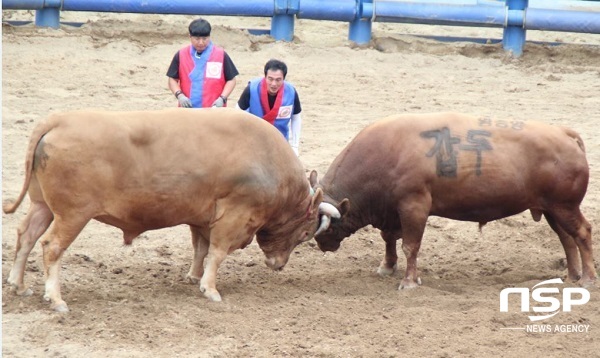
514, 16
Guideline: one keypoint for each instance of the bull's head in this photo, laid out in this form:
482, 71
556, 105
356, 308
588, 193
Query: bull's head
331, 229
279, 241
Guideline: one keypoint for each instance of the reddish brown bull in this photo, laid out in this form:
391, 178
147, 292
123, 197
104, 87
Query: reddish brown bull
397, 172
220, 171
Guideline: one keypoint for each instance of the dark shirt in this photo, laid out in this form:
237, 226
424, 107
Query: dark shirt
244, 101
230, 71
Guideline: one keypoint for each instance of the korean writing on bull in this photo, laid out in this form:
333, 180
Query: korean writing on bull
501, 123
445, 152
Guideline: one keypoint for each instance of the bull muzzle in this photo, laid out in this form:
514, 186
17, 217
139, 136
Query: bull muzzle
275, 264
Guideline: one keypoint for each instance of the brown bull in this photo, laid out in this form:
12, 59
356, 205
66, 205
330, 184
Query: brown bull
220, 171
397, 172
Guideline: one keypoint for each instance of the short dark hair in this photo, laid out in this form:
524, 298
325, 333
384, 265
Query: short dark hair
199, 28
276, 65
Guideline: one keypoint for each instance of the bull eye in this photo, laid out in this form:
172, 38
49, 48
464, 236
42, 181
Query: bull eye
304, 236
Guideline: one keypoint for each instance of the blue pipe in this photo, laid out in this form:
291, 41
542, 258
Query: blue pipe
569, 21
48, 17
206, 7
514, 15
459, 12
360, 28
440, 14
29, 4
264, 8
282, 27
333, 10
574, 5
513, 37
282, 23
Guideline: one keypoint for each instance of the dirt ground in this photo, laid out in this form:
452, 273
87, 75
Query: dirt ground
133, 302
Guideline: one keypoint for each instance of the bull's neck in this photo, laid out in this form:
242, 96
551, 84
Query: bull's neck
354, 219
294, 209
366, 208
362, 213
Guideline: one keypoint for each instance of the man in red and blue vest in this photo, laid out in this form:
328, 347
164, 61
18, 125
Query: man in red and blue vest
201, 74
276, 101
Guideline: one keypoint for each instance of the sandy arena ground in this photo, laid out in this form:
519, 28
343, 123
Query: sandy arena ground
133, 302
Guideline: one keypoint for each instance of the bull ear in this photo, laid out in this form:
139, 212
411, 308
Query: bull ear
317, 198
344, 206
312, 179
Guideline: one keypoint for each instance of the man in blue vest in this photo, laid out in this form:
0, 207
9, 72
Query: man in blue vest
276, 101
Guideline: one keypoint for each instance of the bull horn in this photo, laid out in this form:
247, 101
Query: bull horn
329, 210
325, 221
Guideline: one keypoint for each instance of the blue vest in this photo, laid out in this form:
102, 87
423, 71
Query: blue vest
282, 122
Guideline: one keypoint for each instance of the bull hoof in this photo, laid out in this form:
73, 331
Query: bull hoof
574, 277
22, 291
26, 292
409, 284
215, 297
587, 282
60, 307
211, 294
385, 271
191, 279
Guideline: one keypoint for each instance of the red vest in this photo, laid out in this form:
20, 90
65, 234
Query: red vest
202, 79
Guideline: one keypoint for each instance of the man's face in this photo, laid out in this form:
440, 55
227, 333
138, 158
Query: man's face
200, 42
274, 80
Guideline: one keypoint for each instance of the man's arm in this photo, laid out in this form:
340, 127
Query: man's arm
173, 74
295, 133
244, 101
174, 85
231, 73
228, 88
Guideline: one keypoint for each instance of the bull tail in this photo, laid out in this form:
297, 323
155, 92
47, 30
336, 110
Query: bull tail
38, 132
571, 133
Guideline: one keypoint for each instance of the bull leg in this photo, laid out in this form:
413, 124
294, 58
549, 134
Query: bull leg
389, 264
54, 243
574, 224
230, 231
31, 228
201, 244
222, 236
208, 285
413, 218
570, 247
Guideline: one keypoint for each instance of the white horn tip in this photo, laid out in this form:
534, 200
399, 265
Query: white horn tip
329, 209
325, 221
